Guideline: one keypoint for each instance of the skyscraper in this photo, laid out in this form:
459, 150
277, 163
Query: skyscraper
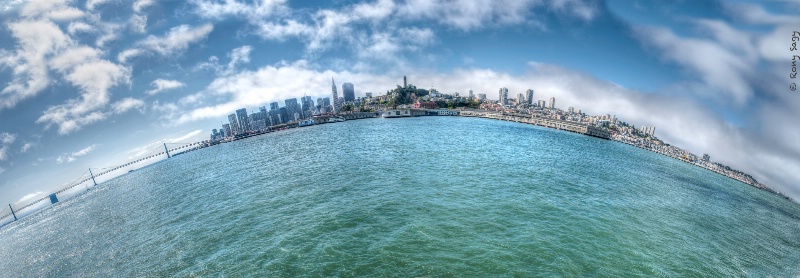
503, 96
405, 82
335, 96
284, 115
228, 131
520, 98
529, 96
244, 122
349, 92
234, 124
273, 106
552, 102
307, 102
292, 107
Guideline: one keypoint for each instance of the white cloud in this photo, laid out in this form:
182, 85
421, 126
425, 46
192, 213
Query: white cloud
94, 79
161, 85
126, 104
238, 56
723, 68
3, 153
79, 27
125, 55
31, 196
73, 57
36, 40
220, 9
2, 170
7, 138
92, 4
184, 138
70, 157
35, 8
140, 5
175, 41
26, 147
66, 14
138, 23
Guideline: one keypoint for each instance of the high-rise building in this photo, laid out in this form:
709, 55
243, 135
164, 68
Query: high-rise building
471, 95
292, 108
405, 82
529, 96
244, 123
368, 94
227, 129
349, 92
273, 105
552, 102
541, 103
284, 115
308, 103
571, 110
503, 96
649, 130
482, 96
706, 157
234, 124
520, 98
335, 97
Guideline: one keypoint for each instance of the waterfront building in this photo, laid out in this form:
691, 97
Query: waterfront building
552, 102
259, 124
529, 96
234, 124
244, 124
227, 129
292, 108
336, 105
503, 96
307, 103
424, 104
349, 92
283, 115
706, 157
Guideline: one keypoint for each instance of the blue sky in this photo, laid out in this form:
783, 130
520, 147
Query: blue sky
95, 83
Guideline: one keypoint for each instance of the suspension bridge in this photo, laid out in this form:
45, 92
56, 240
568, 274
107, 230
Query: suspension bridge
90, 177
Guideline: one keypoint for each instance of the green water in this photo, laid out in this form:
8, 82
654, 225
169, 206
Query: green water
430, 196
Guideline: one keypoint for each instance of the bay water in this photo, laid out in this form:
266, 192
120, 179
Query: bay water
409, 197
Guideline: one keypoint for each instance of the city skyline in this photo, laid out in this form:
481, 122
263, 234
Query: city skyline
94, 83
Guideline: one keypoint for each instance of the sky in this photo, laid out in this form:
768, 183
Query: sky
92, 84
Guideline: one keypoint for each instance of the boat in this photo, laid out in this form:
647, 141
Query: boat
305, 123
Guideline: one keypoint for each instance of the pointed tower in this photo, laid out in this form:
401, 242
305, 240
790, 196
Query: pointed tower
335, 97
